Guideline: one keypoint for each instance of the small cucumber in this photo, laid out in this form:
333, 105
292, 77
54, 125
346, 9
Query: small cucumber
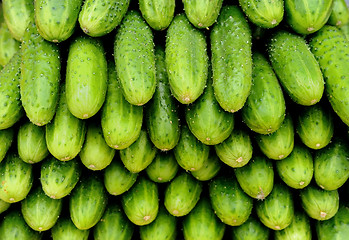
210, 168
64, 229
157, 13
252, 229
163, 168
8, 45
340, 13
299, 228
6, 139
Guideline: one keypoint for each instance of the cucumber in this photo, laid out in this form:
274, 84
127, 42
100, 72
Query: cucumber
56, 20
157, 13
163, 168
87, 202
86, 77
345, 29
4, 206
135, 59
257, 177
98, 18
58, 178
296, 67
265, 14
186, 59
251, 229
202, 13
64, 229
16, 177
117, 179
141, 202
11, 110
39, 211
8, 45
330, 48
31, 143
279, 144
113, 224
297, 169
161, 112
6, 139
182, 194
306, 17
277, 210
210, 169
202, 222
339, 14
65, 134
264, 110
207, 120
331, 165
95, 153
229, 202
121, 121
40, 76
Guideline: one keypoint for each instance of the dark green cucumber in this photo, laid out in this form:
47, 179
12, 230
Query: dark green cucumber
319, 204
121, 121
99, 17
339, 14
280, 143
207, 120
231, 58
58, 178
229, 202
163, 168
190, 153
331, 165
266, 14
306, 17
252, 229
164, 227
56, 20
11, 109
8, 45
65, 134
6, 139
277, 210
87, 202
31, 143
236, 150
264, 110
297, 169
202, 13
113, 225
95, 153
331, 49
86, 77
257, 177
186, 59
161, 112
64, 229
16, 178
40, 77
135, 59
4, 206
117, 179
157, 13
182, 194
210, 168
202, 222
141, 202
40, 211
299, 228
296, 67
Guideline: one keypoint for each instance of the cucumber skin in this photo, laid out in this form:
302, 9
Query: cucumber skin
6, 139
340, 13
8, 45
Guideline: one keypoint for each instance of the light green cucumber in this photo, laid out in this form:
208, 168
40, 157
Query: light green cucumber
4, 206
252, 229
340, 13
210, 168
299, 229
157, 13
345, 29
163, 168
64, 229
6, 139
8, 45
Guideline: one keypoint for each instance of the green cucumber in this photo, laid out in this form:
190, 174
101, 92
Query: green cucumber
345, 29
8, 45
86, 77
299, 228
186, 60
157, 13
6, 139
231, 43
252, 229
210, 168
135, 59
64, 229
339, 14
163, 168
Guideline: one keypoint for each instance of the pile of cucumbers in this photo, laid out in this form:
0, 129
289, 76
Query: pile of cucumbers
164, 119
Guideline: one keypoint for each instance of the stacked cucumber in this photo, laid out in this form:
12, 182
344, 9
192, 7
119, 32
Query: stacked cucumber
164, 119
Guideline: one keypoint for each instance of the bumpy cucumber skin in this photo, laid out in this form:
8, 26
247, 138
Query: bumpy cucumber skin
64, 229
8, 45
163, 168
56, 20
186, 60
99, 17
157, 13
264, 110
231, 58
252, 229
202, 13
161, 111
40, 78
296, 67
18, 14
306, 17
340, 13
11, 109
135, 59
298, 229
331, 49
86, 77
6, 139
266, 14
120, 120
